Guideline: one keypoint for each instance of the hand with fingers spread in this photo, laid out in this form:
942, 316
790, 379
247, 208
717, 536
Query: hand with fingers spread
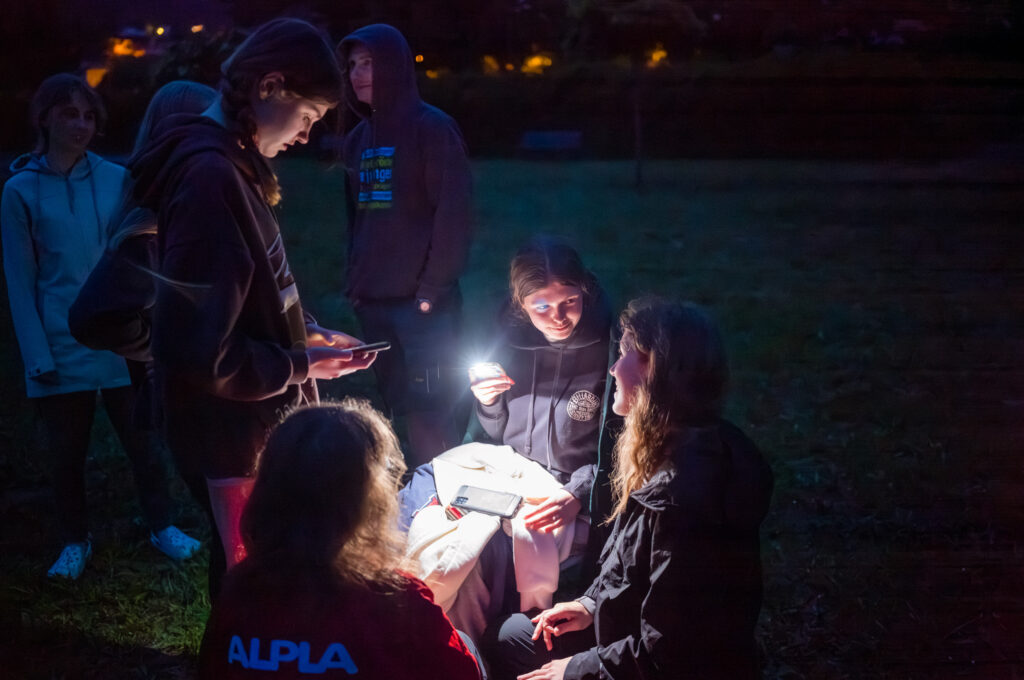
488, 390
552, 670
553, 512
328, 363
564, 617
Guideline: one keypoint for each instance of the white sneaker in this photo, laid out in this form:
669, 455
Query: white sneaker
71, 562
174, 543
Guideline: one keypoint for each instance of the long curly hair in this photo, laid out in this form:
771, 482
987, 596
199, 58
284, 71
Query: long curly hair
326, 495
685, 386
296, 49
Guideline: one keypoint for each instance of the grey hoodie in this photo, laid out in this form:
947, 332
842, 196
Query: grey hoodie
54, 230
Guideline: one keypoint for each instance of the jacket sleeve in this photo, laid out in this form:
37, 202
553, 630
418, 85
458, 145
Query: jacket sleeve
654, 651
440, 647
449, 185
21, 270
206, 273
112, 310
581, 482
493, 418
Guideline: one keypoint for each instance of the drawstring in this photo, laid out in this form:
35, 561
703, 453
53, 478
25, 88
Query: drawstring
551, 404
95, 207
533, 402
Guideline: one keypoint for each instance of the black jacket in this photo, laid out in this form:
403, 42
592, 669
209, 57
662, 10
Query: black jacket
409, 180
679, 591
555, 411
228, 331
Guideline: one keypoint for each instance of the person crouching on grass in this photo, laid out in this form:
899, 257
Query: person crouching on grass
321, 589
679, 590
232, 346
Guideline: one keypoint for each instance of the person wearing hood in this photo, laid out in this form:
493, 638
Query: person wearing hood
410, 226
233, 349
54, 214
679, 591
553, 345
549, 400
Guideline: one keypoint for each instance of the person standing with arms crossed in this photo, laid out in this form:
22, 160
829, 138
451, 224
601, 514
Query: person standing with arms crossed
410, 226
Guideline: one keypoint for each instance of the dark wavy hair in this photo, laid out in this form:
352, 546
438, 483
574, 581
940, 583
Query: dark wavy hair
685, 386
542, 261
326, 495
58, 90
296, 49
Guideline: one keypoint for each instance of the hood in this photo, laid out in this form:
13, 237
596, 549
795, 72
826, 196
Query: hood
592, 327
33, 162
717, 472
394, 77
177, 138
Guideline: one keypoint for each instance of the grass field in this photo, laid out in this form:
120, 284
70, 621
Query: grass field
873, 314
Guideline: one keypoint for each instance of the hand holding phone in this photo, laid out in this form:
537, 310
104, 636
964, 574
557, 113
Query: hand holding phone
370, 348
487, 380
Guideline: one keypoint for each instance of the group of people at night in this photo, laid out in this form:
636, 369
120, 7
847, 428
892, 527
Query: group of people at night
165, 287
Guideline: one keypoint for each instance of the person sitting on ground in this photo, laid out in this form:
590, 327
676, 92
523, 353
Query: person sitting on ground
679, 590
321, 590
548, 402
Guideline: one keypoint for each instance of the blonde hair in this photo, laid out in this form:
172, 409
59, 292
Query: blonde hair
684, 387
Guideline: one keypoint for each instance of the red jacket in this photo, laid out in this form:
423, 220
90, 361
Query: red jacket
306, 626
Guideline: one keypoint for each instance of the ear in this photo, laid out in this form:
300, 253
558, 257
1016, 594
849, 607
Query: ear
271, 85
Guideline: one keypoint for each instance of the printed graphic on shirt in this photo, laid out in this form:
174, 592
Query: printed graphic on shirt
583, 405
280, 652
375, 178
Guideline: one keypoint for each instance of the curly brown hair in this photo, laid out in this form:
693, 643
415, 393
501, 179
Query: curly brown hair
326, 494
685, 387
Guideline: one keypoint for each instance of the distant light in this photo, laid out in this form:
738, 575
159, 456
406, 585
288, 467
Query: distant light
433, 73
656, 56
124, 47
536, 63
490, 64
510, 67
160, 30
94, 76
419, 58
198, 28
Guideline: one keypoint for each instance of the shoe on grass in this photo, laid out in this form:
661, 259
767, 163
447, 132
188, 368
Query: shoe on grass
71, 562
174, 543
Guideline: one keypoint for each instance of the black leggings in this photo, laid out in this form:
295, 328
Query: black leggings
66, 421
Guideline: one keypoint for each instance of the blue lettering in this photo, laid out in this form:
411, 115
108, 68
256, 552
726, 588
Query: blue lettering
337, 656
254, 658
236, 652
283, 650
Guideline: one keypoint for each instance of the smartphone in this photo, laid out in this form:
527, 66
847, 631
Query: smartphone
485, 370
371, 348
487, 501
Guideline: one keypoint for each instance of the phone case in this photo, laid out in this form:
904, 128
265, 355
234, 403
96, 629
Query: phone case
487, 501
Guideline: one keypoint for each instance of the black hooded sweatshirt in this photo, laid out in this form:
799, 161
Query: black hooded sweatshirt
553, 413
228, 333
409, 182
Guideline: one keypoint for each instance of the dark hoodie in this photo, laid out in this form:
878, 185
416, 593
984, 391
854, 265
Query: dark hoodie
228, 331
680, 590
553, 413
409, 182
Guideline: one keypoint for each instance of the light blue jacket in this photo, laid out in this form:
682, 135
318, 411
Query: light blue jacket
54, 229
